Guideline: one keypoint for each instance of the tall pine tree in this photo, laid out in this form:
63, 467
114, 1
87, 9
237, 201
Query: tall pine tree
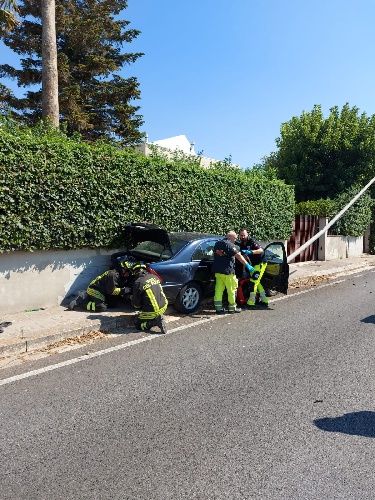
8, 19
93, 98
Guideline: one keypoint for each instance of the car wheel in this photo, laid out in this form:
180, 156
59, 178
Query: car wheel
189, 298
271, 292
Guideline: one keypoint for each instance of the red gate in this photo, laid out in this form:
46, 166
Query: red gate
304, 228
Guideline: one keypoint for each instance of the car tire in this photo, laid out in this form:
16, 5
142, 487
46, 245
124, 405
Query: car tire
189, 298
271, 292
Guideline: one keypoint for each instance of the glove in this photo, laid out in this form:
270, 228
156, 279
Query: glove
249, 268
255, 275
125, 291
246, 252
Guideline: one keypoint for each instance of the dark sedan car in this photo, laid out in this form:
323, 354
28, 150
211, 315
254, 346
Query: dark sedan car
184, 260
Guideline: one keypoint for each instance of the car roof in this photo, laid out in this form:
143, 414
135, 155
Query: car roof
191, 236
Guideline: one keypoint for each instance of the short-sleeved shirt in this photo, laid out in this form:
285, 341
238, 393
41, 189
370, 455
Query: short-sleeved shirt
224, 257
252, 244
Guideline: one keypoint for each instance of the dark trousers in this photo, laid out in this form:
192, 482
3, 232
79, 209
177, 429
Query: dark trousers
93, 304
143, 324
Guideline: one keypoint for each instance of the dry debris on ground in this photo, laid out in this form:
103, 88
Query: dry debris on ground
86, 338
312, 281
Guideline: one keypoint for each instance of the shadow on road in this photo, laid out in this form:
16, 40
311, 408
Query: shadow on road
369, 319
360, 423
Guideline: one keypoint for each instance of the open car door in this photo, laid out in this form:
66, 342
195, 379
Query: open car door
276, 275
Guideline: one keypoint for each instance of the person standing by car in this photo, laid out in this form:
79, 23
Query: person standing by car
225, 255
254, 251
110, 285
149, 297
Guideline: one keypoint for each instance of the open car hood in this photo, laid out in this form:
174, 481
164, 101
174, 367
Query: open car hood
137, 232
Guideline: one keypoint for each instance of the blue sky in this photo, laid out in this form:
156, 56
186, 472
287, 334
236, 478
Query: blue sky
228, 74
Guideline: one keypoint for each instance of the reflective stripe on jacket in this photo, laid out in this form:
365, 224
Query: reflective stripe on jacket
108, 283
149, 296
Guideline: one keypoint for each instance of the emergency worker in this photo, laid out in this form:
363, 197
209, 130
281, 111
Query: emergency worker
114, 283
253, 250
225, 255
149, 297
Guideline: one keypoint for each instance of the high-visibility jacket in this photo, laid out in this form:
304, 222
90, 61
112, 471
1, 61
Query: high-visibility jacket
108, 283
149, 296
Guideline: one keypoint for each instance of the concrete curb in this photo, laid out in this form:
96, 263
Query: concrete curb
22, 346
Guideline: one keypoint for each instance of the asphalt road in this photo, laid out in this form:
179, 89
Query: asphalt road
268, 404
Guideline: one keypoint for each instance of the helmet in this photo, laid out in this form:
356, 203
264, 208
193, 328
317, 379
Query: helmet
138, 267
125, 264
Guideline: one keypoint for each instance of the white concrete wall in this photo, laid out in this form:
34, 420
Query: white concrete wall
342, 247
338, 247
31, 280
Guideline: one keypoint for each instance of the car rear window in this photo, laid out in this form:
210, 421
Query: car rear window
150, 246
181, 239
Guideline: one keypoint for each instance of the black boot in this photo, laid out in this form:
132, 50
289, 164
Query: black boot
161, 323
75, 303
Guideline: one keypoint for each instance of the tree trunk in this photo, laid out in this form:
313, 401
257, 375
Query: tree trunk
50, 95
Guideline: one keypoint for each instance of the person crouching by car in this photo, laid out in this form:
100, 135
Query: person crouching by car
101, 292
148, 296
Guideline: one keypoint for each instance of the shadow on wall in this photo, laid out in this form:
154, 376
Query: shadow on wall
50, 277
360, 423
22, 262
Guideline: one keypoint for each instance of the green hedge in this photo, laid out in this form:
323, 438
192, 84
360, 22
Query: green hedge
320, 208
60, 193
353, 222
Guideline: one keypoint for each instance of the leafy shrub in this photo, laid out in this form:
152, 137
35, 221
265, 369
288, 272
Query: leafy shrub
60, 193
357, 218
320, 208
353, 222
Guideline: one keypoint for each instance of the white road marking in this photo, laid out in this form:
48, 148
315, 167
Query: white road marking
283, 297
96, 354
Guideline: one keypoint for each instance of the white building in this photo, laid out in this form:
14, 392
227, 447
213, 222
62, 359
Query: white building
170, 146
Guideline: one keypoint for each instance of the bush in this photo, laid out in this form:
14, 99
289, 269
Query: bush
357, 218
319, 208
61, 193
353, 222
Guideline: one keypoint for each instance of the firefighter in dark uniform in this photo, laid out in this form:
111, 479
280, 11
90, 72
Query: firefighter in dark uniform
148, 296
114, 283
225, 255
253, 250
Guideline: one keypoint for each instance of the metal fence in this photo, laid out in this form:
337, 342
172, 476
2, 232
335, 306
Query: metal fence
304, 228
